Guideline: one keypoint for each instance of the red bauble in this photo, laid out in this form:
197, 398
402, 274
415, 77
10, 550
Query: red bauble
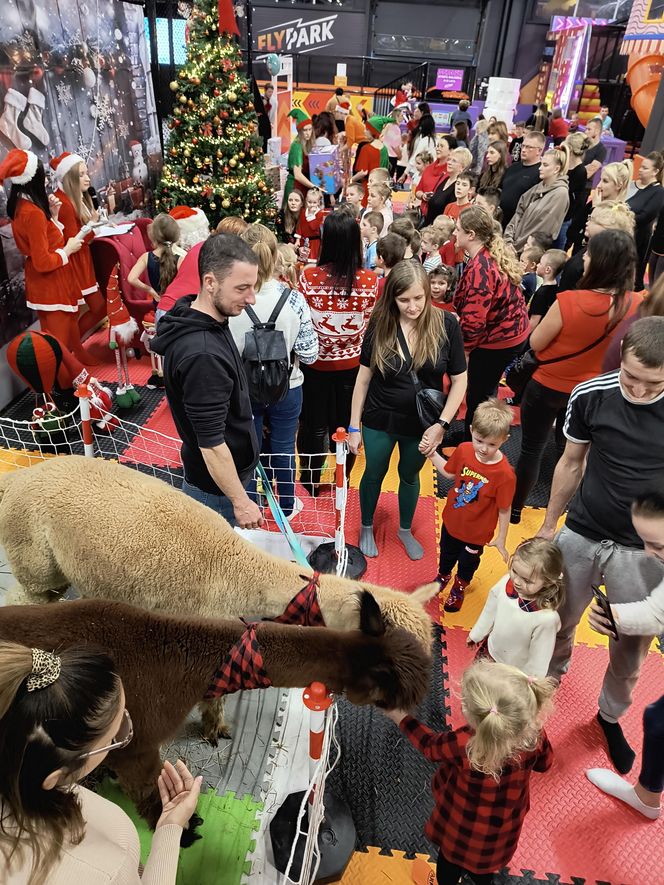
226, 170
37, 74
224, 115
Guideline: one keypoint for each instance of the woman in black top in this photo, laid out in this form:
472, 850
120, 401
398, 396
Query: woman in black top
646, 203
577, 145
384, 403
458, 161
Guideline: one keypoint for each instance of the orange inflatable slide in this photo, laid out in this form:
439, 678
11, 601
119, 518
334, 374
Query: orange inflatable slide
643, 75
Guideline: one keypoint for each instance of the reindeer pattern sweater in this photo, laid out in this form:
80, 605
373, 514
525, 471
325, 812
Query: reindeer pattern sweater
340, 318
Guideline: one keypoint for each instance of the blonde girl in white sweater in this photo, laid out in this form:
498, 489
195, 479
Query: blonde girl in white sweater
520, 617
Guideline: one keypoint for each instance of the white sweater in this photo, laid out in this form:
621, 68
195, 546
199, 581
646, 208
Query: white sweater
522, 639
643, 618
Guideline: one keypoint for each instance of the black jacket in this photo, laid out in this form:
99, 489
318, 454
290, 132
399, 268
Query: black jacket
517, 180
207, 391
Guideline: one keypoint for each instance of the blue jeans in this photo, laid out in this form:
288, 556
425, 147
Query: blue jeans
283, 418
561, 239
219, 503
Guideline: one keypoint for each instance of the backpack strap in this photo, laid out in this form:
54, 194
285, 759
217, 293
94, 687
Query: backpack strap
256, 320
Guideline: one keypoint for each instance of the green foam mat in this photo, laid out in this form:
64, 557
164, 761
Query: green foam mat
228, 836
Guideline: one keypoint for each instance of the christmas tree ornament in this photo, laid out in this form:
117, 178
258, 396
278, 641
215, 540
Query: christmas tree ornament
174, 85
226, 204
232, 97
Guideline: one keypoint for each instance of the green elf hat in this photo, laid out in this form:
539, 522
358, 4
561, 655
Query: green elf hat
301, 119
375, 125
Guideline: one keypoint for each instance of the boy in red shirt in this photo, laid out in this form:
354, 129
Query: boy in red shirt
484, 484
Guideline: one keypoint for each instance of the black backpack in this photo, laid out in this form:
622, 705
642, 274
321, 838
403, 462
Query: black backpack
266, 358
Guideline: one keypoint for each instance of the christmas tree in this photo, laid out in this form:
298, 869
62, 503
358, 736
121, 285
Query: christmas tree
214, 159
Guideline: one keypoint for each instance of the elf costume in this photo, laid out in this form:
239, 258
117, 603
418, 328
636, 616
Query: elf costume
372, 154
50, 285
81, 262
297, 156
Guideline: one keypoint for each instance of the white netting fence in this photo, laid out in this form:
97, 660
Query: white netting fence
284, 478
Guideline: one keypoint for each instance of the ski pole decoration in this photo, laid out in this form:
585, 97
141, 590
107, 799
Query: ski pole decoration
121, 332
317, 699
149, 332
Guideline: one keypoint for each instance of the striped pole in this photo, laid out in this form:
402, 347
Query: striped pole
341, 439
83, 394
317, 699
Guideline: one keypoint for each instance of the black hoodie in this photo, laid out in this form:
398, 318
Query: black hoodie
207, 391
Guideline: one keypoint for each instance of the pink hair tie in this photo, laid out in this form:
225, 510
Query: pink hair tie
531, 679
493, 710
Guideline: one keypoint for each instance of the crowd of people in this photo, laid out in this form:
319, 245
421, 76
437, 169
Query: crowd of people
506, 259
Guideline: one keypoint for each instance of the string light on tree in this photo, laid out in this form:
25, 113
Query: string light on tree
213, 127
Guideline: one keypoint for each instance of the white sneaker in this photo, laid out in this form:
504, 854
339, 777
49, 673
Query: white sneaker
298, 507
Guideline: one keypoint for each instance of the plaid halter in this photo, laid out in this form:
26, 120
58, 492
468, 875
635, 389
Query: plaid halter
242, 669
303, 608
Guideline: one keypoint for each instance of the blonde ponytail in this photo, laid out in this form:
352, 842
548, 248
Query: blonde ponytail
478, 220
505, 708
264, 245
15, 667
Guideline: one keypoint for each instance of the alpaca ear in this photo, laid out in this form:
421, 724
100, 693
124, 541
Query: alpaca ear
371, 618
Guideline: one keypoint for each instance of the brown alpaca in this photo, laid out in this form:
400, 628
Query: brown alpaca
167, 662
115, 533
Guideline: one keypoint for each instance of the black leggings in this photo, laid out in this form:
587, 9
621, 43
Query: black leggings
325, 406
540, 407
652, 758
485, 369
453, 551
448, 873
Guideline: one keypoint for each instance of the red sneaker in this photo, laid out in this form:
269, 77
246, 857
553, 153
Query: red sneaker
454, 601
442, 581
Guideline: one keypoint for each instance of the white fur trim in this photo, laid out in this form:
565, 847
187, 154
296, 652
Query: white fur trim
63, 255
29, 171
90, 290
126, 331
66, 308
64, 166
36, 97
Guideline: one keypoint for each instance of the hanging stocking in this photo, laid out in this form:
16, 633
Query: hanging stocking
32, 122
15, 104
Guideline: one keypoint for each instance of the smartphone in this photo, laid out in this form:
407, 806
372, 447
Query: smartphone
603, 603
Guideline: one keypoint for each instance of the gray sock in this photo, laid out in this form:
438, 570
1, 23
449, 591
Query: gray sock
367, 541
413, 548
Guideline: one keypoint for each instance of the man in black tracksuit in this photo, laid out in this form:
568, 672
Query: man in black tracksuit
206, 384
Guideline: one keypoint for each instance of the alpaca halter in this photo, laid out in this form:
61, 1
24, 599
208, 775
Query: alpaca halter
46, 668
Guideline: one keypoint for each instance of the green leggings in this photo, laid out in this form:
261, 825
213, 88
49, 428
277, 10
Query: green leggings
378, 448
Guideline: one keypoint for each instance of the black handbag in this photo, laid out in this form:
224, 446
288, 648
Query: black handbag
522, 368
428, 400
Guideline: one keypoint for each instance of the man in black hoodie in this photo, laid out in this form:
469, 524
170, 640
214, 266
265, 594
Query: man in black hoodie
206, 384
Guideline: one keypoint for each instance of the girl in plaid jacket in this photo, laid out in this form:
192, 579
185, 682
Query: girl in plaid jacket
482, 786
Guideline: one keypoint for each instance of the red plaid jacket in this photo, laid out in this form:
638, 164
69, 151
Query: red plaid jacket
476, 822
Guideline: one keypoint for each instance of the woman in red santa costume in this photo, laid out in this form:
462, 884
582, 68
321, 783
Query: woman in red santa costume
77, 210
50, 286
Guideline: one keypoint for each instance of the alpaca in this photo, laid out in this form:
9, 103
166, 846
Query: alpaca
166, 663
116, 533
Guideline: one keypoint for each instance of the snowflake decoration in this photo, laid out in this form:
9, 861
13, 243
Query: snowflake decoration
122, 129
64, 93
104, 114
84, 149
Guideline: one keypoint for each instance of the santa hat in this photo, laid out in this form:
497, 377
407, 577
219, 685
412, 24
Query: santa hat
193, 224
121, 325
301, 119
64, 163
375, 125
19, 166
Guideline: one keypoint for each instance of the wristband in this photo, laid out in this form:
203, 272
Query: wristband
354, 429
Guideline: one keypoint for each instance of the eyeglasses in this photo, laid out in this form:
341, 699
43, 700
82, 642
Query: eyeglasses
122, 738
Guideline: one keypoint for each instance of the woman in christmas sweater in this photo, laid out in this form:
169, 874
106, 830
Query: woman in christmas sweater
371, 154
490, 305
77, 209
50, 286
298, 156
341, 296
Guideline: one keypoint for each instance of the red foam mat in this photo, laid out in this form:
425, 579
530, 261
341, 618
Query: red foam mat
573, 829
